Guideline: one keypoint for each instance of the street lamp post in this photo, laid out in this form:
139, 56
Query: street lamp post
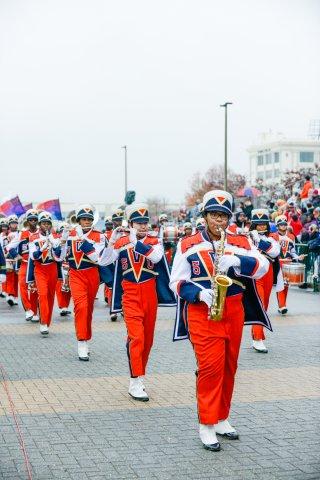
225, 105
125, 170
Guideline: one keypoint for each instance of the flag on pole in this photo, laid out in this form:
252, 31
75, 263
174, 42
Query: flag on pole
28, 206
53, 207
12, 206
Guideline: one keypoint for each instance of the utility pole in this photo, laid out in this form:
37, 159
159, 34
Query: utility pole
125, 170
225, 106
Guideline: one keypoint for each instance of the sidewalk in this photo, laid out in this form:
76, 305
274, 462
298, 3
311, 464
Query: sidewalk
79, 423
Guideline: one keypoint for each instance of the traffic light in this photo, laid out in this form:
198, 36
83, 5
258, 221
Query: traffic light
130, 197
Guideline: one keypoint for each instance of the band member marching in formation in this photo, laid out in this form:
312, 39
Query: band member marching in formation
287, 254
196, 275
108, 288
4, 241
12, 263
19, 248
45, 260
268, 246
2, 265
63, 287
81, 247
117, 217
140, 282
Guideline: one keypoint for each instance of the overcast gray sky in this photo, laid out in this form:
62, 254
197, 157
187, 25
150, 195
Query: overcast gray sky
79, 79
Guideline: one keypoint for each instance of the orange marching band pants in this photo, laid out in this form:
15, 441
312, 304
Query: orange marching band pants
29, 299
282, 295
46, 276
140, 304
108, 294
84, 286
63, 297
264, 288
216, 346
11, 284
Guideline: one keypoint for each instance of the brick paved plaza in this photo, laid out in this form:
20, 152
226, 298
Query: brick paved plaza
79, 423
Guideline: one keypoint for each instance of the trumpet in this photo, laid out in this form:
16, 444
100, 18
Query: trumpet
219, 283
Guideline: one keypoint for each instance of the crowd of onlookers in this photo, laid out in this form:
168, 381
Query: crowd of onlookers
302, 210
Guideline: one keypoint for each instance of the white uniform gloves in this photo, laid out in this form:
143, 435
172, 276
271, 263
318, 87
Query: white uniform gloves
228, 261
205, 296
255, 237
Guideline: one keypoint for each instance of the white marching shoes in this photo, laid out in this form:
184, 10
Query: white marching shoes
83, 350
10, 300
44, 330
137, 389
35, 319
259, 346
208, 437
29, 315
224, 429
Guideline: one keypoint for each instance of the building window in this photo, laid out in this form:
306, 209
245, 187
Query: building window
260, 176
276, 173
260, 160
268, 174
276, 157
268, 158
306, 156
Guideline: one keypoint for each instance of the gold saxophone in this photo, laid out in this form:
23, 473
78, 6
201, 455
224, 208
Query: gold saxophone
219, 283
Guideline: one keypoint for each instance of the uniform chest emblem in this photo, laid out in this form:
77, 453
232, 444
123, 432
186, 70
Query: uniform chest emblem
206, 258
76, 252
136, 262
45, 254
284, 247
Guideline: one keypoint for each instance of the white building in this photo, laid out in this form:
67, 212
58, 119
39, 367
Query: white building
274, 154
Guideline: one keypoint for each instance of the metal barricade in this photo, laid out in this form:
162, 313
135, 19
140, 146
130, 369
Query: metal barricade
312, 263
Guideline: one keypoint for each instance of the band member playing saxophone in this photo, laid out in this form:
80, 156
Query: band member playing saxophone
211, 312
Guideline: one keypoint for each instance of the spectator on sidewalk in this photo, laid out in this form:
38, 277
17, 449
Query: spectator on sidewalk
295, 224
304, 194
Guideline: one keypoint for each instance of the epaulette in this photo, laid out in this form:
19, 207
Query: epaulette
240, 241
188, 242
34, 236
25, 234
275, 236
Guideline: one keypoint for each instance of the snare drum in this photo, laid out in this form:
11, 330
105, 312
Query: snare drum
293, 273
170, 234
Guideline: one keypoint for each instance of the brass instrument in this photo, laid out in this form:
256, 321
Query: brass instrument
219, 283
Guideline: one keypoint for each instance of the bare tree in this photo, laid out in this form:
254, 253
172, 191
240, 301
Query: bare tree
213, 179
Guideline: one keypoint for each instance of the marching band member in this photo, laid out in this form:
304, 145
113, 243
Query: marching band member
19, 247
163, 222
186, 230
200, 224
81, 247
4, 229
12, 272
44, 257
268, 246
117, 217
216, 343
287, 254
109, 227
107, 288
63, 288
2, 266
141, 280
